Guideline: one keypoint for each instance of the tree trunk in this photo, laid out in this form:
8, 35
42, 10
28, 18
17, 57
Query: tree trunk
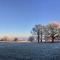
41, 36
53, 39
38, 36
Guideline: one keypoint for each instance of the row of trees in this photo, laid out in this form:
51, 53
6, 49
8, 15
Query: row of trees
7, 39
52, 30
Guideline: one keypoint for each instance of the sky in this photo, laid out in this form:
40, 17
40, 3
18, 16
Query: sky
17, 17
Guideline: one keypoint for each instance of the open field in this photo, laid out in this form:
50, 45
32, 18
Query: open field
29, 51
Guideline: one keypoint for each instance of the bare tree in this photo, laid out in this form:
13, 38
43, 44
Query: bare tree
38, 31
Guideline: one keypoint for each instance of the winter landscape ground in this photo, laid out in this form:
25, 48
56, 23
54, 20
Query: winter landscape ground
29, 51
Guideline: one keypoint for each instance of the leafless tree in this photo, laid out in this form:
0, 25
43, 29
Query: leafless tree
38, 31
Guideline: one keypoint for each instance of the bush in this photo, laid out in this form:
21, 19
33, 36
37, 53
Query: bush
31, 38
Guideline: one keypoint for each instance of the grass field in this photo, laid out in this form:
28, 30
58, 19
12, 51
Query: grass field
29, 51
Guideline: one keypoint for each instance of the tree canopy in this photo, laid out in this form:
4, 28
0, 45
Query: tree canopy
51, 30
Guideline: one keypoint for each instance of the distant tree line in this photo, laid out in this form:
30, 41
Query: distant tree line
7, 39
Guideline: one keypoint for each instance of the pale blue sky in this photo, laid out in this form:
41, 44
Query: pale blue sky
18, 16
